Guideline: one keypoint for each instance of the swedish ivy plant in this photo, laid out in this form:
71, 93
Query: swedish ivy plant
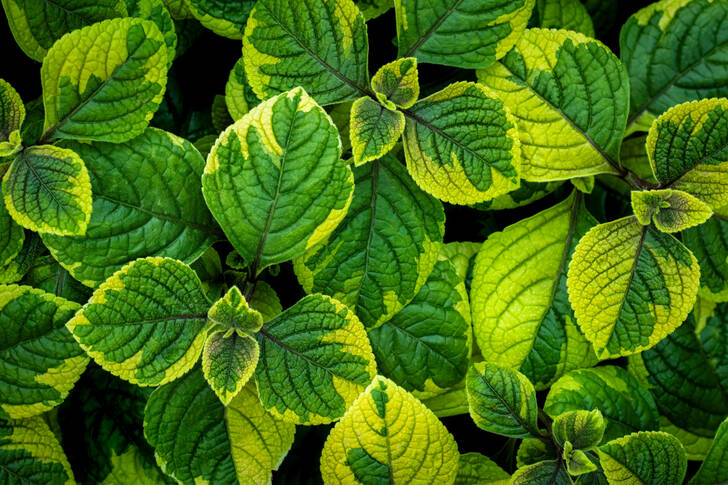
398, 241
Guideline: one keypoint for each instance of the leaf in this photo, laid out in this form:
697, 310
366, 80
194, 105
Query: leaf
534, 450
502, 401
12, 237
21, 264
355, 264
577, 462
477, 469
239, 96
146, 186
470, 34
544, 472
197, 439
265, 300
462, 256
709, 243
686, 374
688, 149
645, 457
145, 323
30, 453
315, 359
426, 346
674, 52
564, 14
231, 312
715, 466
103, 419
39, 360
451, 402
525, 194
12, 114
583, 429
90, 95
37, 24
46, 274
670, 210
47, 189
397, 84
155, 11
319, 45
521, 315
630, 286
625, 405
224, 18
388, 436
374, 130
372, 9
274, 180
569, 96
696, 447
461, 145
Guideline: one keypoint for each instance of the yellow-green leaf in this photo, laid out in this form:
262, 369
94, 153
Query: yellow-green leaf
12, 114
644, 457
670, 210
397, 83
477, 469
375, 129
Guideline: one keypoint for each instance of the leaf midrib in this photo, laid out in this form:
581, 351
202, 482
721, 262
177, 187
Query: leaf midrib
432, 29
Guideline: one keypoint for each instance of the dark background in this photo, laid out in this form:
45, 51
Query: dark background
201, 72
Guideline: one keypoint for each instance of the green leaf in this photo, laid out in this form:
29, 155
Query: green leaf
462, 256
542, 473
197, 439
521, 314
355, 264
90, 95
583, 429
12, 237
315, 360
46, 274
388, 436
670, 210
374, 130
30, 453
397, 83
12, 114
686, 373
37, 24
470, 34
674, 52
534, 450
569, 95
644, 457
477, 469
155, 11
577, 462
527, 193
715, 466
21, 264
231, 312
445, 156
564, 14
39, 360
371, 9
625, 404
709, 243
145, 323
451, 402
630, 286
265, 300
502, 401
254, 180
239, 96
146, 202
426, 346
696, 447
688, 149
224, 18
320, 45
47, 189
228, 362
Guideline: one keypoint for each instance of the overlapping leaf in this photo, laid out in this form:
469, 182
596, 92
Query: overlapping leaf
12, 115
645, 457
670, 210
474, 468
564, 14
715, 466
224, 18
709, 243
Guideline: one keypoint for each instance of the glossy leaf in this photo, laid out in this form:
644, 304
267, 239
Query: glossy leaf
670, 210
374, 130
645, 457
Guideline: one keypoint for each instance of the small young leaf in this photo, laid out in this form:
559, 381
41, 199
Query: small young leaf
577, 462
232, 313
674, 52
37, 24
630, 286
470, 34
47, 189
477, 469
564, 14
544, 472
321, 46
145, 323
388, 436
569, 95
397, 83
275, 182
265, 300
355, 264
583, 429
426, 345
521, 314
624, 403
374, 130
715, 466
30, 453
644, 457
688, 149
228, 362
197, 439
90, 95
224, 18
315, 359
502, 401
12, 114
39, 360
146, 186
670, 210
462, 163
